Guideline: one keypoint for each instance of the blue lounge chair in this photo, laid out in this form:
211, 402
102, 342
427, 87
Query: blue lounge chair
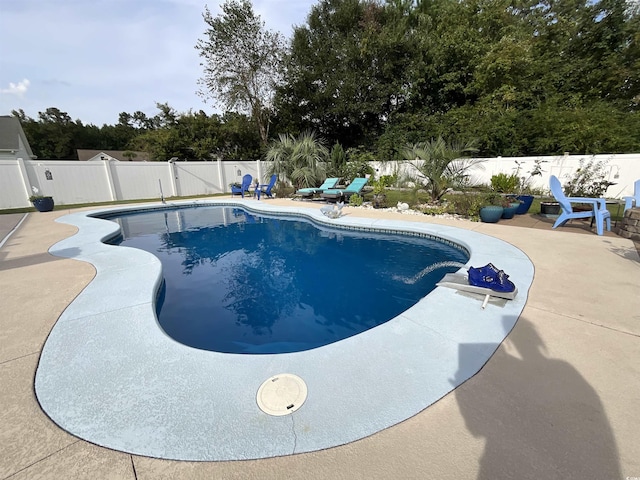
630, 202
599, 207
329, 183
354, 187
242, 189
266, 189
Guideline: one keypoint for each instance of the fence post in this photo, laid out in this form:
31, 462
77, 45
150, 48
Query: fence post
173, 175
26, 183
112, 187
259, 170
223, 180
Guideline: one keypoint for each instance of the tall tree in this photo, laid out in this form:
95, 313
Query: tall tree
242, 62
348, 70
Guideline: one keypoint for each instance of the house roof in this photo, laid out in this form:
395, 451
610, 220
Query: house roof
10, 134
85, 155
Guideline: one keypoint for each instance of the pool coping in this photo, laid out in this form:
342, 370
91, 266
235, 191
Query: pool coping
109, 375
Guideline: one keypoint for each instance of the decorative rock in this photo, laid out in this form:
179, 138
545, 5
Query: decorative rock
630, 227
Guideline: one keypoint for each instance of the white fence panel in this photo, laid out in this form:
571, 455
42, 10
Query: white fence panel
623, 170
13, 191
197, 178
72, 182
67, 183
141, 180
234, 171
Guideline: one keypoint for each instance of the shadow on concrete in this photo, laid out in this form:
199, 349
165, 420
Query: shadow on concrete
539, 416
35, 259
629, 253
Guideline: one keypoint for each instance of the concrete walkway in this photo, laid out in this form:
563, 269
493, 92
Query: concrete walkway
559, 399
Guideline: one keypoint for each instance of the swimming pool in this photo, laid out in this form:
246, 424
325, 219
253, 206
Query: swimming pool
110, 375
240, 282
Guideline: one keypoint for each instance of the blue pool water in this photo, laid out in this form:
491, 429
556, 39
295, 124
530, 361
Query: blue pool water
238, 282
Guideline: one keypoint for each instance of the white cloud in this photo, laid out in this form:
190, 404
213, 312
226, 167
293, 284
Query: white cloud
95, 59
18, 89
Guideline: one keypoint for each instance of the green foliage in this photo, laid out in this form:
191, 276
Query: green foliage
503, 183
356, 169
355, 200
282, 190
435, 209
242, 62
440, 165
589, 180
493, 198
300, 159
338, 159
466, 205
522, 79
350, 68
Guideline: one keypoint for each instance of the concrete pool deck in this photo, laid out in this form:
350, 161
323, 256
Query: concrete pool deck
557, 400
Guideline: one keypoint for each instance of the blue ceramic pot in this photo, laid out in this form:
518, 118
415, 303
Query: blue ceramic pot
524, 207
44, 204
510, 211
491, 213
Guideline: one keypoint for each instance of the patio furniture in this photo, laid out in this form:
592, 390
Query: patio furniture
244, 187
329, 183
355, 187
598, 207
630, 202
266, 189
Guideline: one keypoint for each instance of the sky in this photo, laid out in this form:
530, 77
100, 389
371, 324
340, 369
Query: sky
96, 58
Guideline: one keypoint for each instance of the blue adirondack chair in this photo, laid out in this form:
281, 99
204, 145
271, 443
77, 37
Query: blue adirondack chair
244, 188
599, 207
630, 202
266, 189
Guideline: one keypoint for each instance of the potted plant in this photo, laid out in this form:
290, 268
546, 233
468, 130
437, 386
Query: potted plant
507, 185
42, 203
524, 188
492, 208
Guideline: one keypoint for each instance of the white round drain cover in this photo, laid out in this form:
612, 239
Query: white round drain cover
282, 394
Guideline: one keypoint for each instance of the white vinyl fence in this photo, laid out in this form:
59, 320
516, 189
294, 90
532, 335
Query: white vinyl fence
72, 182
623, 170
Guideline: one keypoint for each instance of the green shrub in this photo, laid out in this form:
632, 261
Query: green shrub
435, 209
355, 200
282, 189
388, 180
467, 205
589, 180
503, 183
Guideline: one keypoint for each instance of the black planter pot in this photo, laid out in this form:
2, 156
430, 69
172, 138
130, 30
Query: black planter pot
549, 208
44, 204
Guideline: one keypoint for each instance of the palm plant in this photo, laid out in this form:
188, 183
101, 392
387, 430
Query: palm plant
300, 160
441, 165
